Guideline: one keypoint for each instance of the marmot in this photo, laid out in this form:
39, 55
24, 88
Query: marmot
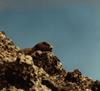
42, 46
25, 51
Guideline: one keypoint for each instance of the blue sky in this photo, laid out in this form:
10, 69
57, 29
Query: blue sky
72, 27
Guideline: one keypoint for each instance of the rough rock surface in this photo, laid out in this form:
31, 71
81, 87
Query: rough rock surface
37, 69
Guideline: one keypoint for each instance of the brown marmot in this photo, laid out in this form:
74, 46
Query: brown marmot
42, 46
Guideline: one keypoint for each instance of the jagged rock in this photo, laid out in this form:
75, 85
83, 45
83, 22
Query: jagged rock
37, 69
17, 71
96, 86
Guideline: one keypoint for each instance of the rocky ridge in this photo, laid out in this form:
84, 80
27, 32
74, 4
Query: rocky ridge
37, 69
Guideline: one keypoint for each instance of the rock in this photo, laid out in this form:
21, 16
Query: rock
37, 69
96, 86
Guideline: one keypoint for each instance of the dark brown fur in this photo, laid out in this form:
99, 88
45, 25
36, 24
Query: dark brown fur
43, 46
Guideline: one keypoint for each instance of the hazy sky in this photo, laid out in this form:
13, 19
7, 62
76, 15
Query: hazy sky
73, 27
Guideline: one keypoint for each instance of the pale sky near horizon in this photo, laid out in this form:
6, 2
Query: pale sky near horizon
72, 27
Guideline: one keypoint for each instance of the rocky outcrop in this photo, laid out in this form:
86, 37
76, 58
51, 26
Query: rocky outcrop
37, 69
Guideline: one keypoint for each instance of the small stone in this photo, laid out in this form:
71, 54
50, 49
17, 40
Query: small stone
2, 34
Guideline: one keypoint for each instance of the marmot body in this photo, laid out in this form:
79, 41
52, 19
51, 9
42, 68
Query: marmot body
25, 51
42, 46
